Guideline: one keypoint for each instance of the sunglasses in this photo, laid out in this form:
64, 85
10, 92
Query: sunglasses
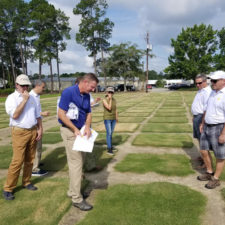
199, 83
110, 92
24, 85
214, 81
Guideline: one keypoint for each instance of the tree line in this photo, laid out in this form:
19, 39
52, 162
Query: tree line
30, 31
197, 49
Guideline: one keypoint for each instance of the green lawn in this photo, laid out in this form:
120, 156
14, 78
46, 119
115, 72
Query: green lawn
158, 203
170, 114
168, 120
117, 139
167, 128
163, 140
5, 156
47, 205
166, 164
51, 138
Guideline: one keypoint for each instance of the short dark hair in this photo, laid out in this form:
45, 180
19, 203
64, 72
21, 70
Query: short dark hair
90, 77
38, 83
201, 75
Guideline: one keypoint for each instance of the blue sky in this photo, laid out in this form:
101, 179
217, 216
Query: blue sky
163, 19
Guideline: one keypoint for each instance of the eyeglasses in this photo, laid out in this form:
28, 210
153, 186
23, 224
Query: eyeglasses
214, 81
199, 83
24, 85
110, 92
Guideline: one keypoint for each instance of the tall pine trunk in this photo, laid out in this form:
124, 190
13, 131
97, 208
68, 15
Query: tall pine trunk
57, 61
22, 57
12, 65
51, 75
40, 65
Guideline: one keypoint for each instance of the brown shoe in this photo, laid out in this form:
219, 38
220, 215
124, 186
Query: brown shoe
205, 177
213, 183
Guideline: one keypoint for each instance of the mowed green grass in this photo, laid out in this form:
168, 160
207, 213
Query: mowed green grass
168, 120
158, 203
47, 205
163, 140
5, 156
167, 128
166, 164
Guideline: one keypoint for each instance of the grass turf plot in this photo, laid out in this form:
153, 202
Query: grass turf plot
123, 119
170, 114
120, 127
167, 128
5, 156
163, 140
55, 161
135, 114
168, 120
167, 164
117, 139
171, 110
158, 203
47, 205
53, 129
51, 138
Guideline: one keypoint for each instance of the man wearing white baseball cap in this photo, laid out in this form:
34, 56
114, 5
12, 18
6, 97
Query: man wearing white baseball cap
213, 131
25, 121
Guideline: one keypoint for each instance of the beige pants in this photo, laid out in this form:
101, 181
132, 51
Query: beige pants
75, 164
24, 147
37, 159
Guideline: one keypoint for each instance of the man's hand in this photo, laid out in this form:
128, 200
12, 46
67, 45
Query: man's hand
46, 113
201, 127
76, 132
25, 95
39, 134
222, 139
87, 131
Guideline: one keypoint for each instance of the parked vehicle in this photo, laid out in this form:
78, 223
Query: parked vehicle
178, 86
149, 86
101, 88
120, 87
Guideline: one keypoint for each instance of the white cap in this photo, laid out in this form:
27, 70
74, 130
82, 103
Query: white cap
23, 79
217, 75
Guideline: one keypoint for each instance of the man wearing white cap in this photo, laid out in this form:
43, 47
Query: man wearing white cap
213, 131
26, 126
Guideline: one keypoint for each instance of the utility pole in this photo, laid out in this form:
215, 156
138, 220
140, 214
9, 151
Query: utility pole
146, 77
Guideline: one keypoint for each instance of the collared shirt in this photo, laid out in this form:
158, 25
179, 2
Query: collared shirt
29, 115
76, 105
215, 110
200, 101
37, 99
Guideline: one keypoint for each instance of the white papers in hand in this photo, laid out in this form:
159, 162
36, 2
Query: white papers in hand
84, 144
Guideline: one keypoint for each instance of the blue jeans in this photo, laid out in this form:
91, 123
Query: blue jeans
109, 126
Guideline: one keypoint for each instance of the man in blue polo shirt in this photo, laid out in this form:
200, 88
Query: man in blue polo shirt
74, 112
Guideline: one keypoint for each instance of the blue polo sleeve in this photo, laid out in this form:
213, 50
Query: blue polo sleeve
65, 100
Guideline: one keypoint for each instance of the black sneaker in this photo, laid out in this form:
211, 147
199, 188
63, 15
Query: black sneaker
8, 195
30, 187
110, 152
84, 206
39, 173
